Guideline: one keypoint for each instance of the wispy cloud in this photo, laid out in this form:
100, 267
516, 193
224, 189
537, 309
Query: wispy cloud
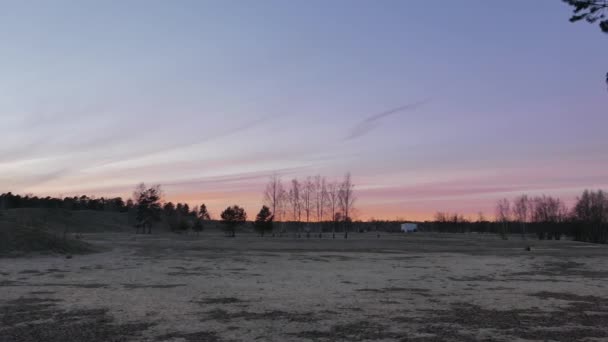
368, 124
32, 181
184, 144
24, 151
261, 175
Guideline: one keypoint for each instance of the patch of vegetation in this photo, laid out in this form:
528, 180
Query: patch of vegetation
585, 317
151, 286
221, 300
41, 292
570, 297
563, 268
185, 274
40, 319
9, 283
419, 291
473, 278
56, 270
200, 336
77, 285
29, 272
357, 331
223, 315
21, 240
567, 334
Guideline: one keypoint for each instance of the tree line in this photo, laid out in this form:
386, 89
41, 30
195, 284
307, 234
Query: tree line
313, 199
316, 204
299, 203
10, 201
546, 217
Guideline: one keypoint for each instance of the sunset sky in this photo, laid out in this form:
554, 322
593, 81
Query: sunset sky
209, 98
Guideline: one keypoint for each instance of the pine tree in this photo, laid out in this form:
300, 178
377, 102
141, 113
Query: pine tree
232, 217
263, 221
203, 214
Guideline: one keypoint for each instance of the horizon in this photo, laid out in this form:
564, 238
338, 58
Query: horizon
429, 112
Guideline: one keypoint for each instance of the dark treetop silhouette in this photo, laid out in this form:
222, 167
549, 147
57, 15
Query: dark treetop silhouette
591, 11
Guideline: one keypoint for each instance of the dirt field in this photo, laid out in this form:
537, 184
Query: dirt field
417, 287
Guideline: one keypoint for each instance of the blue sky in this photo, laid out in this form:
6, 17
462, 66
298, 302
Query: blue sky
209, 98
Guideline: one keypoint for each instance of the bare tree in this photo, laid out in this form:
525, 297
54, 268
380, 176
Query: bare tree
442, 217
295, 201
549, 209
308, 190
324, 199
320, 199
346, 200
592, 207
317, 198
521, 206
281, 214
333, 203
273, 194
503, 215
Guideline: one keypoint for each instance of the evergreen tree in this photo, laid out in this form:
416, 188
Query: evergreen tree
232, 217
263, 221
147, 205
203, 214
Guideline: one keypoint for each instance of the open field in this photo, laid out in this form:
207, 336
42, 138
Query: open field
418, 287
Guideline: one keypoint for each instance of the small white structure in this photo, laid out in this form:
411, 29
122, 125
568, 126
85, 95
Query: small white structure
409, 227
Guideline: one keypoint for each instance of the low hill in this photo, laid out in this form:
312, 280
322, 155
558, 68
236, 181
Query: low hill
19, 240
68, 221
38, 230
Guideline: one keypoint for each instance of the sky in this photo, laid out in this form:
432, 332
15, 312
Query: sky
432, 106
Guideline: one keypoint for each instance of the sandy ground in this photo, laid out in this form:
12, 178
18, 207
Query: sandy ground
416, 287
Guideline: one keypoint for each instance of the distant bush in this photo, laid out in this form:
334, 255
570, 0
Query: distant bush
198, 225
179, 225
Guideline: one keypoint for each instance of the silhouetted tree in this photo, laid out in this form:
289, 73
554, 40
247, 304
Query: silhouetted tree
130, 204
591, 11
263, 221
203, 213
116, 204
320, 200
274, 193
295, 202
591, 214
147, 204
169, 209
232, 217
592, 207
346, 200
549, 211
503, 215
308, 189
183, 209
10, 201
521, 212
332, 204
276, 198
